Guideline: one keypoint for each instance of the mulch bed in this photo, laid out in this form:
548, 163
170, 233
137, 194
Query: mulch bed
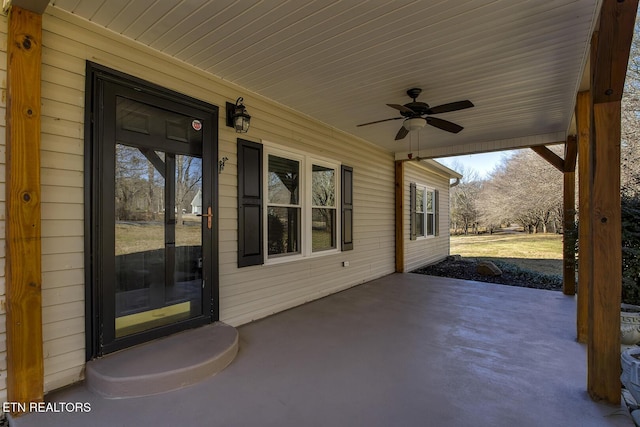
457, 267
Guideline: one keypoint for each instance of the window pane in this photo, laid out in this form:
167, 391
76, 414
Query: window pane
158, 241
429, 201
139, 233
323, 229
419, 224
188, 233
284, 180
430, 230
323, 184
284, 230
420, 199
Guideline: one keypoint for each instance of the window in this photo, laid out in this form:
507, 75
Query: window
430, 215
302, 196
323, 208
423, 211
283, 206
307, 208
420, 193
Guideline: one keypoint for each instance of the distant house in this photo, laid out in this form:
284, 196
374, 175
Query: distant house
196, 203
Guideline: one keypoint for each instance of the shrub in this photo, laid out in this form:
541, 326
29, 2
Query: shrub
537, 279
631, 249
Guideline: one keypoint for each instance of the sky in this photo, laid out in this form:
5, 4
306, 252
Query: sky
483, 163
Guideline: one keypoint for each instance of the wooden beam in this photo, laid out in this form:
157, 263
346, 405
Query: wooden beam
617, 19
399, 216
603, 344
570, 153
551, 157
585, 245
569, 235
25, 373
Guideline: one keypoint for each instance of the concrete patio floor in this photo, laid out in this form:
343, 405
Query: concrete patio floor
403, 350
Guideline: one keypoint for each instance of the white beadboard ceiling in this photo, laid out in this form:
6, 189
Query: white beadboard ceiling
340, 61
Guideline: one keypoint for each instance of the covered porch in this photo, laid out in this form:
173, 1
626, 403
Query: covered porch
525, 70
405, 349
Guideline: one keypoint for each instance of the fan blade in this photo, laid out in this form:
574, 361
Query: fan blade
402, 108
402, 133
380, 121
453, 106
444, 125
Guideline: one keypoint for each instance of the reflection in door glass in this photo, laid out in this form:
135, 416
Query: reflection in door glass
158, 243
189, 223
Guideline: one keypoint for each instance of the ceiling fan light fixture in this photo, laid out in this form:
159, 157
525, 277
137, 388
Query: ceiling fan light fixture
413, 115
414, 123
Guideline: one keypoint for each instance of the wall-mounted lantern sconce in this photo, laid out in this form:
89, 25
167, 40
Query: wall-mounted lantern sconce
237, 116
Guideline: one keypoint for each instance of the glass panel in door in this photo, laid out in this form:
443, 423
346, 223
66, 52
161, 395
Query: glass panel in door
158, 239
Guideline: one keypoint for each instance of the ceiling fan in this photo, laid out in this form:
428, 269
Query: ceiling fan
416, 115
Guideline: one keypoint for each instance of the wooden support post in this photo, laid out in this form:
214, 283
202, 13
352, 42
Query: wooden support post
570, 153
569, 238
569, 233
610, 48
25, 373
567, 166
585, 244
399, 216
603, 356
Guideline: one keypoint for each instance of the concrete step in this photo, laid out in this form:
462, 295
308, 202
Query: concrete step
165, 364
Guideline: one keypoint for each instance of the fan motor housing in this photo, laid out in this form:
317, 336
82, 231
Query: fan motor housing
420, 108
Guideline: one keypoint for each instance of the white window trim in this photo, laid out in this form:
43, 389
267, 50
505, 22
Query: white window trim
433, 212
426, 189
306, 163
309, 206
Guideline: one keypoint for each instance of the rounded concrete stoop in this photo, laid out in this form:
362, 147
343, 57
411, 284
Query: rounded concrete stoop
165, 364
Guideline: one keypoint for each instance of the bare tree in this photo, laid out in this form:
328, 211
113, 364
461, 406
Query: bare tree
323, 194
630, 144
630, 175
134, 187
188, 180
525, 189
463, 200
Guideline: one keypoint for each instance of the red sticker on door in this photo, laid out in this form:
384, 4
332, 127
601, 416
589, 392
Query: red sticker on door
196, 124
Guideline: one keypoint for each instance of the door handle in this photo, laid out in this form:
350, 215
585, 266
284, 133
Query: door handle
209, 216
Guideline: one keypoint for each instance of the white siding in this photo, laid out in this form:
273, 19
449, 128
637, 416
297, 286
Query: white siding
3, 150
245, 294
420, 252
62, 169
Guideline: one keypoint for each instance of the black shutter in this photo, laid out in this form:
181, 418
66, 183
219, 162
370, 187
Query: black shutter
412, 211
436, 211
347, 208
250, 202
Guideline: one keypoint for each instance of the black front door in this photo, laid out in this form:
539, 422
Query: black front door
153, 212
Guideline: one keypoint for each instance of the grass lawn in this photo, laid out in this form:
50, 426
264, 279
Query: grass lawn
537, 252
140, 237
